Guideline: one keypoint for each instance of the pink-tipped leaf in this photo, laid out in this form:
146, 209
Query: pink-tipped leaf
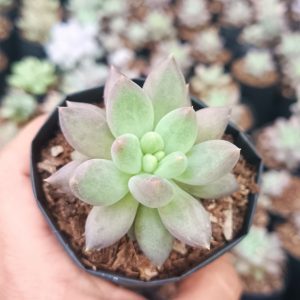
99, 182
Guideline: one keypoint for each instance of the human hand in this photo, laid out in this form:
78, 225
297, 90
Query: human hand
35, 266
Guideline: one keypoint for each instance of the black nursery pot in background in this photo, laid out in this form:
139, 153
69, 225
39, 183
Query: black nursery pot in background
48, 131
293, 288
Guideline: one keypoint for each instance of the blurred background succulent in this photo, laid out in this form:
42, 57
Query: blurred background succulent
288, 46
33, 75
259, 254
32, 11
258, 63
18, 106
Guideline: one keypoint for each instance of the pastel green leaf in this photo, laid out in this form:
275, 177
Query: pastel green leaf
113, 76
149, 163
209, 161
126, 153
83, 105
105, 225
99, 182
152, 142
128, 109
166, 88
187, 220
178, 129
151, 190
224, 186
86, 130
153, 238
172, 165
60, 179
212, 122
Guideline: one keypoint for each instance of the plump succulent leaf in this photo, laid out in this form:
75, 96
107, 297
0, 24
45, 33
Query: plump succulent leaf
171, 166
153, 238
112, 79
224, 186
126, 153
178, 129
82, 105
99, 182
128, 109
187, 220
212, 122
151, 190
86, 130
152, 142
105, 225
60, 179
209, 161
166, 88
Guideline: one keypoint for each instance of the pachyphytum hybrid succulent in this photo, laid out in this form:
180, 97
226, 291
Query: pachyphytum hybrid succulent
237, 13
209, 77
86, 75
33, 75
274, 182
180, 51
209, 43
254, 35
289, 45
283, 140
291, 69
32, 12
62, 47
148, 154
258, 63
85, 11
193, 13
18, 106
259, 254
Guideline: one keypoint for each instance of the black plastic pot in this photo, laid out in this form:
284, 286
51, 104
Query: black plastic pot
293, 289
230, 35
262, 101
27, 48
48, 131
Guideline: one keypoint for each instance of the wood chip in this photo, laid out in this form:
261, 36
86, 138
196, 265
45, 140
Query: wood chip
56, 150
227, 225
179, 247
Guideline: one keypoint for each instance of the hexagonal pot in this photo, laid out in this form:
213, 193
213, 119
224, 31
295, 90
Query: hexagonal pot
94, 96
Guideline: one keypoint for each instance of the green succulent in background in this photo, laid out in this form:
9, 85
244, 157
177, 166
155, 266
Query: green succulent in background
289, 45
259, 253
258, 63
144, 159
37, 17
18, 106
32, 75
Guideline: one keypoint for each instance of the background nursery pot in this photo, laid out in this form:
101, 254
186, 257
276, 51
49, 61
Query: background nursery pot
94, 96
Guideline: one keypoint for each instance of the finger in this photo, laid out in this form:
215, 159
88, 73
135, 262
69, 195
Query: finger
17, 152
216, 281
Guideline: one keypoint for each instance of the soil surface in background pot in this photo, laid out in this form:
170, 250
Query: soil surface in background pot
125, 257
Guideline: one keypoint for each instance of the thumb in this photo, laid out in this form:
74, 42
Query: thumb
216, 281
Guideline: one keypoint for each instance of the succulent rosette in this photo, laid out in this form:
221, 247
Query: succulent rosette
145, 161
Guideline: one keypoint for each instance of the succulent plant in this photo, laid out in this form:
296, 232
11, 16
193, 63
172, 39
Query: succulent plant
85, 11
5, 3
254, 35
258, 63
237, 13
136, 33
209, 42
159, 26
260, 253
274, 182
17, 106
283, 139
63, 49
291, 69
288, 46
147, 155
87, 75
193, 13
209, 77
33, 75
180, 51
37, 18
